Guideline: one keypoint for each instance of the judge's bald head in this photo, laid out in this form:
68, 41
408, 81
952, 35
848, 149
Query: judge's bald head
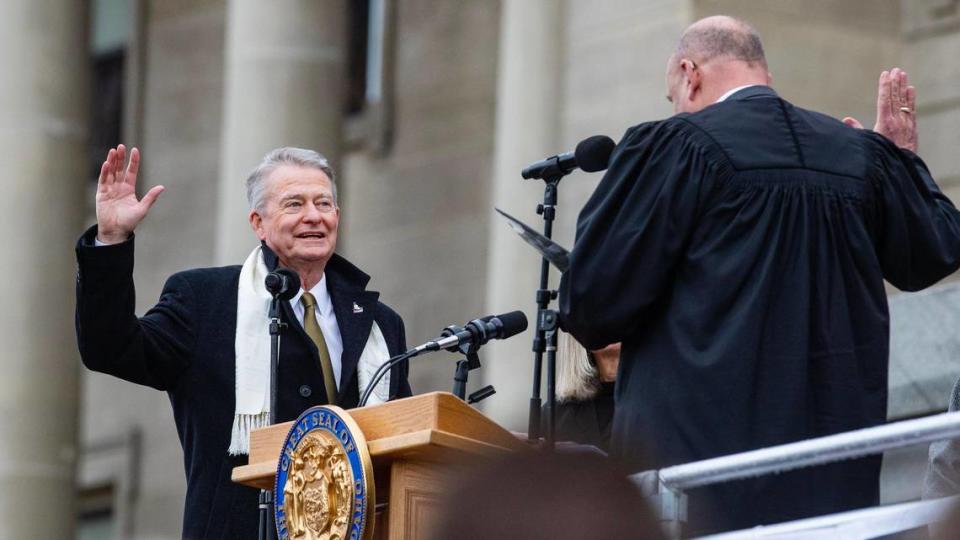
714, 55
721, 37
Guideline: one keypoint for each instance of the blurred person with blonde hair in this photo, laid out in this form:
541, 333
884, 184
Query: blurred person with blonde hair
585, 384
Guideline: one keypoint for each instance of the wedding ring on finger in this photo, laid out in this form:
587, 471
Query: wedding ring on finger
906, 110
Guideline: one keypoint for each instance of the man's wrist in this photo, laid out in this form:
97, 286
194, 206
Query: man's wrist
109, 238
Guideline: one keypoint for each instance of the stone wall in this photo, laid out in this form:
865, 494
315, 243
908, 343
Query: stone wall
181, 150
43, 131
924, 349
416, 218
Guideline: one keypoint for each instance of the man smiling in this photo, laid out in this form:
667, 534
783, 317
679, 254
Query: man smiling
206, 342
300, 220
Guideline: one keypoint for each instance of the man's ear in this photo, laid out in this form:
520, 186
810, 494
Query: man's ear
692, 73
256, 223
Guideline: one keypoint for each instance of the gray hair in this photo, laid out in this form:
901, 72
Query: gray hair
286, 155
577, 377
721, 36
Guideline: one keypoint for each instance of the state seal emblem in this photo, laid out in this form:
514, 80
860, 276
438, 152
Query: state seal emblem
324, 484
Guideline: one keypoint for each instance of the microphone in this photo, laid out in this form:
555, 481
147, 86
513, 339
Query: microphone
591, 155
282, 283
476, 332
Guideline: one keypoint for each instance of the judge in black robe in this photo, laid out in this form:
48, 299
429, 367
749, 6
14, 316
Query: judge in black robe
739, 253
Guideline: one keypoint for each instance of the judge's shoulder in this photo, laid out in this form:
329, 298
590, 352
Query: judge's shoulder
740, 129
658, 130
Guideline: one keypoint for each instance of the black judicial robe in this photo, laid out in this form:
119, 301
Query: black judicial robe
739, 254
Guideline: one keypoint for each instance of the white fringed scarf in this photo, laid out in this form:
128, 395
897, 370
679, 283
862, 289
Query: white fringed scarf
252, 348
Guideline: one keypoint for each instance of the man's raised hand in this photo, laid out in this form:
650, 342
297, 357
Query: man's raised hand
118, 210
896, 110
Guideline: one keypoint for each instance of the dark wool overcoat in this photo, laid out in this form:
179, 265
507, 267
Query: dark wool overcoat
184, 346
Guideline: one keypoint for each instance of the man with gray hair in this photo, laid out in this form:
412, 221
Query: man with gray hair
206, 342
738, 250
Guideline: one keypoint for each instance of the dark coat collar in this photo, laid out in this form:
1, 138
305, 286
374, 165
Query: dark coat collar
752, 92
343, 269
353, 305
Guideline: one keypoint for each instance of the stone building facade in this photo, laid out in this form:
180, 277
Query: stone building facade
428, 109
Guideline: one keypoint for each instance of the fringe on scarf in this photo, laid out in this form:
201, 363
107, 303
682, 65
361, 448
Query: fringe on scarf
243, 424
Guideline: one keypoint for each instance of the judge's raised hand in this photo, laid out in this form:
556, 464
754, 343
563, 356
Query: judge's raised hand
896, 110
118, 210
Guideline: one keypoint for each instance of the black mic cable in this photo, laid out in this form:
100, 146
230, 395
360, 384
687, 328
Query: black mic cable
381, 371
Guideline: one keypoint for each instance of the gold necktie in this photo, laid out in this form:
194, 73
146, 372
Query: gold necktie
312, 328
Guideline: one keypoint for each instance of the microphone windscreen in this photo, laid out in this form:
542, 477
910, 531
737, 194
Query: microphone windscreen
513, 323
284, 282
593, 153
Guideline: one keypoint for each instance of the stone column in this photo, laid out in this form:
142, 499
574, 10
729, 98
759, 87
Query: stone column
43, 150
528, 121
285, 77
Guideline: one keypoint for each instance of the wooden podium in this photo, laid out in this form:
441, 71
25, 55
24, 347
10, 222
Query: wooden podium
417, 445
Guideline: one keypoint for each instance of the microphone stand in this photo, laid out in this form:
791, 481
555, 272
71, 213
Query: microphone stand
471, 362
266, 532
545, 337
275, 326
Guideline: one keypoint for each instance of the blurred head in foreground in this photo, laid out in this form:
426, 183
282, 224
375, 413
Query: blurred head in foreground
548, 496
949, 527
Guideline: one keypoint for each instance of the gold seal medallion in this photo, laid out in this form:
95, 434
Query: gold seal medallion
324, 483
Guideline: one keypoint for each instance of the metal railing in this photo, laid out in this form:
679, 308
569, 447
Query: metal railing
863, 524
672, 481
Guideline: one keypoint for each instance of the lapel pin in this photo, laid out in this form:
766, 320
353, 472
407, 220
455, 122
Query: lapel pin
357, 308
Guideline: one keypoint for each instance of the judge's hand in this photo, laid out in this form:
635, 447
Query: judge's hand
896, 110
118, 210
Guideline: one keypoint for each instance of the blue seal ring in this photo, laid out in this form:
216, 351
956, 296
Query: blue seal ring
344, 429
